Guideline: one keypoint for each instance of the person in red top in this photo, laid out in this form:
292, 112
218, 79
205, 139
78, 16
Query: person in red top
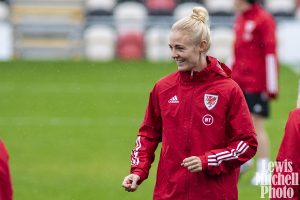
200, 116
255, 69
6, 192
288, 155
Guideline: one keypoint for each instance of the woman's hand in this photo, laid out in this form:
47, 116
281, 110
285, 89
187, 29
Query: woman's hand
193, 164
130, 182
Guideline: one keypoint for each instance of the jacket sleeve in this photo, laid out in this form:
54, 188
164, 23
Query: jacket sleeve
288, 156
268, 30
148, 138
242, 143
6, 191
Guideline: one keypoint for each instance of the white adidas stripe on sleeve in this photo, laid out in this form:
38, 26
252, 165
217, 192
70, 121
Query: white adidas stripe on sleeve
135, 159
217, 159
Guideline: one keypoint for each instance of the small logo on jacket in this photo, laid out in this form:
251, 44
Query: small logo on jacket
210, 101
174, 100
207, 120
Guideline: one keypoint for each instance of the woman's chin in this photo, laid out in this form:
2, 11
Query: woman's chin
182, 67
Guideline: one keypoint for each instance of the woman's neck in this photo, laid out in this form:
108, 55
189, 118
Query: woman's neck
202, 63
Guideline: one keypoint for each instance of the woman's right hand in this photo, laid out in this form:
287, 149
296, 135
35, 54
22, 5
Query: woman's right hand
130, 182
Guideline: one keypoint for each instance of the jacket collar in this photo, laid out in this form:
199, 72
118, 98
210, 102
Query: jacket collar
214, 68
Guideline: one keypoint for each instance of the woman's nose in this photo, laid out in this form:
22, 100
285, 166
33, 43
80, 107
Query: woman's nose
174, 54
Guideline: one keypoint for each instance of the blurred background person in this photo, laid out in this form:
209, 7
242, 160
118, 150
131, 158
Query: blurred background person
6, 192
255, 69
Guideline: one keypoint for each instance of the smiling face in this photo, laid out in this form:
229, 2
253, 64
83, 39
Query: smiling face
184, 51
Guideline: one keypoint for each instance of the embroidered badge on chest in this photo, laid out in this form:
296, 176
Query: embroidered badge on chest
210, 101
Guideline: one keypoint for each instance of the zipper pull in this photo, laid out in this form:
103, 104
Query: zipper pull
192, 74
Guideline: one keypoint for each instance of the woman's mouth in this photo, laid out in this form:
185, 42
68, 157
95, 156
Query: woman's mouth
179, 61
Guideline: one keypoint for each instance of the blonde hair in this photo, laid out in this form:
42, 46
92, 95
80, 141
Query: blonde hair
197, 24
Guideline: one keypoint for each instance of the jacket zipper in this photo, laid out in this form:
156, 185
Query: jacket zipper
188, 149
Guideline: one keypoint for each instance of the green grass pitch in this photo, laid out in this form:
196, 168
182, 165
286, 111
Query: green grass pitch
70, 126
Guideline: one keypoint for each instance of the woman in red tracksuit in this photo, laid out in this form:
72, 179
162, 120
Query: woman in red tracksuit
201, 117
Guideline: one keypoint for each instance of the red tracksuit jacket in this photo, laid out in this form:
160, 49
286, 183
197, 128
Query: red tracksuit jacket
255, 65
201, 114
289, 152
6, 192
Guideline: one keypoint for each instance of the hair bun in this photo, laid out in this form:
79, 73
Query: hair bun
200, 14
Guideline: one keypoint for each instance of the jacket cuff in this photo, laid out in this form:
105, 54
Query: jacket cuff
204, 162
141, 174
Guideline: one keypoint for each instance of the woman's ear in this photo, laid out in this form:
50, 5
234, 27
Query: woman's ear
203, 46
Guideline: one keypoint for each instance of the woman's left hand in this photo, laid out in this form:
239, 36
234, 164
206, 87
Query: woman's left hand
193, 164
